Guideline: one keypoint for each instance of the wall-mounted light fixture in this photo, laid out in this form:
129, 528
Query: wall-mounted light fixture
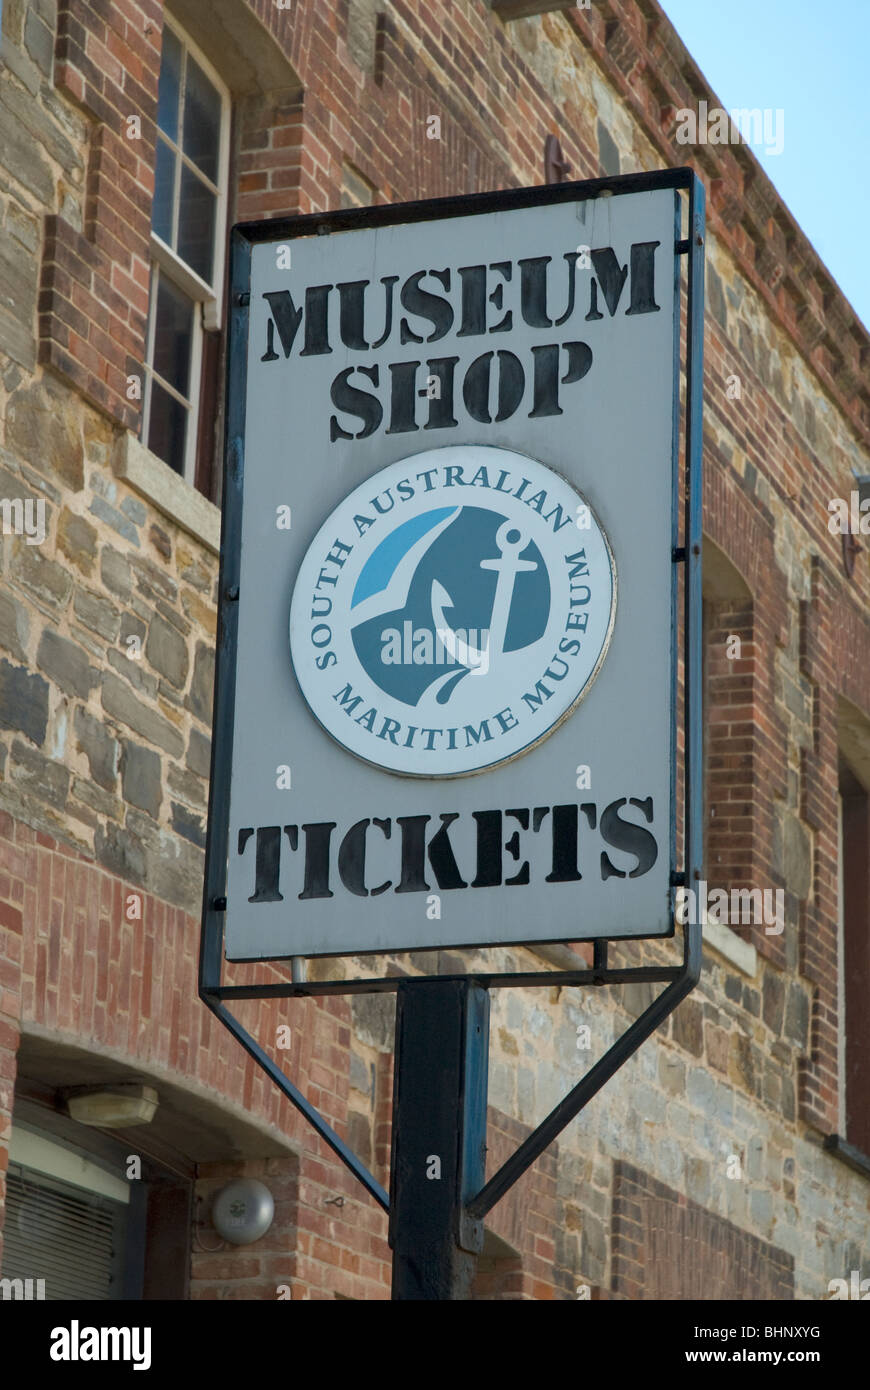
112, 1107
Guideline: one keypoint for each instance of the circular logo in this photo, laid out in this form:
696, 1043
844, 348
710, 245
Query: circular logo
452, 611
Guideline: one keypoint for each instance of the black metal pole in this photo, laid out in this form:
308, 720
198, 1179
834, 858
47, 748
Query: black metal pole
439, 1136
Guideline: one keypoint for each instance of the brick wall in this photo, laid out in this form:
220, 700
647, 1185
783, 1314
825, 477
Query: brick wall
105, 965
93, 301
528, 1220
729, 728
104, 758
654, 1228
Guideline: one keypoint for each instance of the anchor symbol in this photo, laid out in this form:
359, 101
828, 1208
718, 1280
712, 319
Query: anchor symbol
511, 541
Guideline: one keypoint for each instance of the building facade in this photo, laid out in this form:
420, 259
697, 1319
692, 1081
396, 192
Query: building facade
730, 1158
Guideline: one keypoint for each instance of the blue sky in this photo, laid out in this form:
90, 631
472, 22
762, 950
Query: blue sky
811, 60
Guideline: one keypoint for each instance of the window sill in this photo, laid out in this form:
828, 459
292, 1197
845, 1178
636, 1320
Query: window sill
178, 500
847, 1153
739, 953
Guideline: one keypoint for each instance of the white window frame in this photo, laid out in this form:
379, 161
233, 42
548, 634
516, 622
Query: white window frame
44, 1153
208, 298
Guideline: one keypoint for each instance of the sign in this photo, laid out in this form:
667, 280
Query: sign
479, 622
449, 689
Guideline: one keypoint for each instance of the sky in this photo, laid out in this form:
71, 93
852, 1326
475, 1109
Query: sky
811, 61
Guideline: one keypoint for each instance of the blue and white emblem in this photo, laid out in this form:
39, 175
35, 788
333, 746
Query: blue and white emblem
452, 611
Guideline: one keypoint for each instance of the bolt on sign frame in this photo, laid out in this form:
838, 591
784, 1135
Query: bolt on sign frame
437, 1228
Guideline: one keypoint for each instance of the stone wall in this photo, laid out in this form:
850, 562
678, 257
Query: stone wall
107, 630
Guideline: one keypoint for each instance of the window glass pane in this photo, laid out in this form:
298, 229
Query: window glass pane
170, 84
173, 332
202, 120
196, 219
164, 180
167, 427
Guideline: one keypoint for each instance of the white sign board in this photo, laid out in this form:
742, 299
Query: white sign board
454, 671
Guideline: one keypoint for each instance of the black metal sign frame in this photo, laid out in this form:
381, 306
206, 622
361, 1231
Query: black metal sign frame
471, 1200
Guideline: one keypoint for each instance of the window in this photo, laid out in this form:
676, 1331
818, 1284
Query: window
188, 227
77, 1222
854, 954
67, 1222
356, 191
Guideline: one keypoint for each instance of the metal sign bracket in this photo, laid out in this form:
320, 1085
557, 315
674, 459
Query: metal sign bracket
437, 1209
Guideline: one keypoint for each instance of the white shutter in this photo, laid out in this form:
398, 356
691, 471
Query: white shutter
71, 1238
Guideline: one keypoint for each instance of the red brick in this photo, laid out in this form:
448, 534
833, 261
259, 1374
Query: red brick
10, 917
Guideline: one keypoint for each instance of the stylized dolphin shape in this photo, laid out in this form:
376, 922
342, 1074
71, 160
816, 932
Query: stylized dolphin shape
372, 596
454, 645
